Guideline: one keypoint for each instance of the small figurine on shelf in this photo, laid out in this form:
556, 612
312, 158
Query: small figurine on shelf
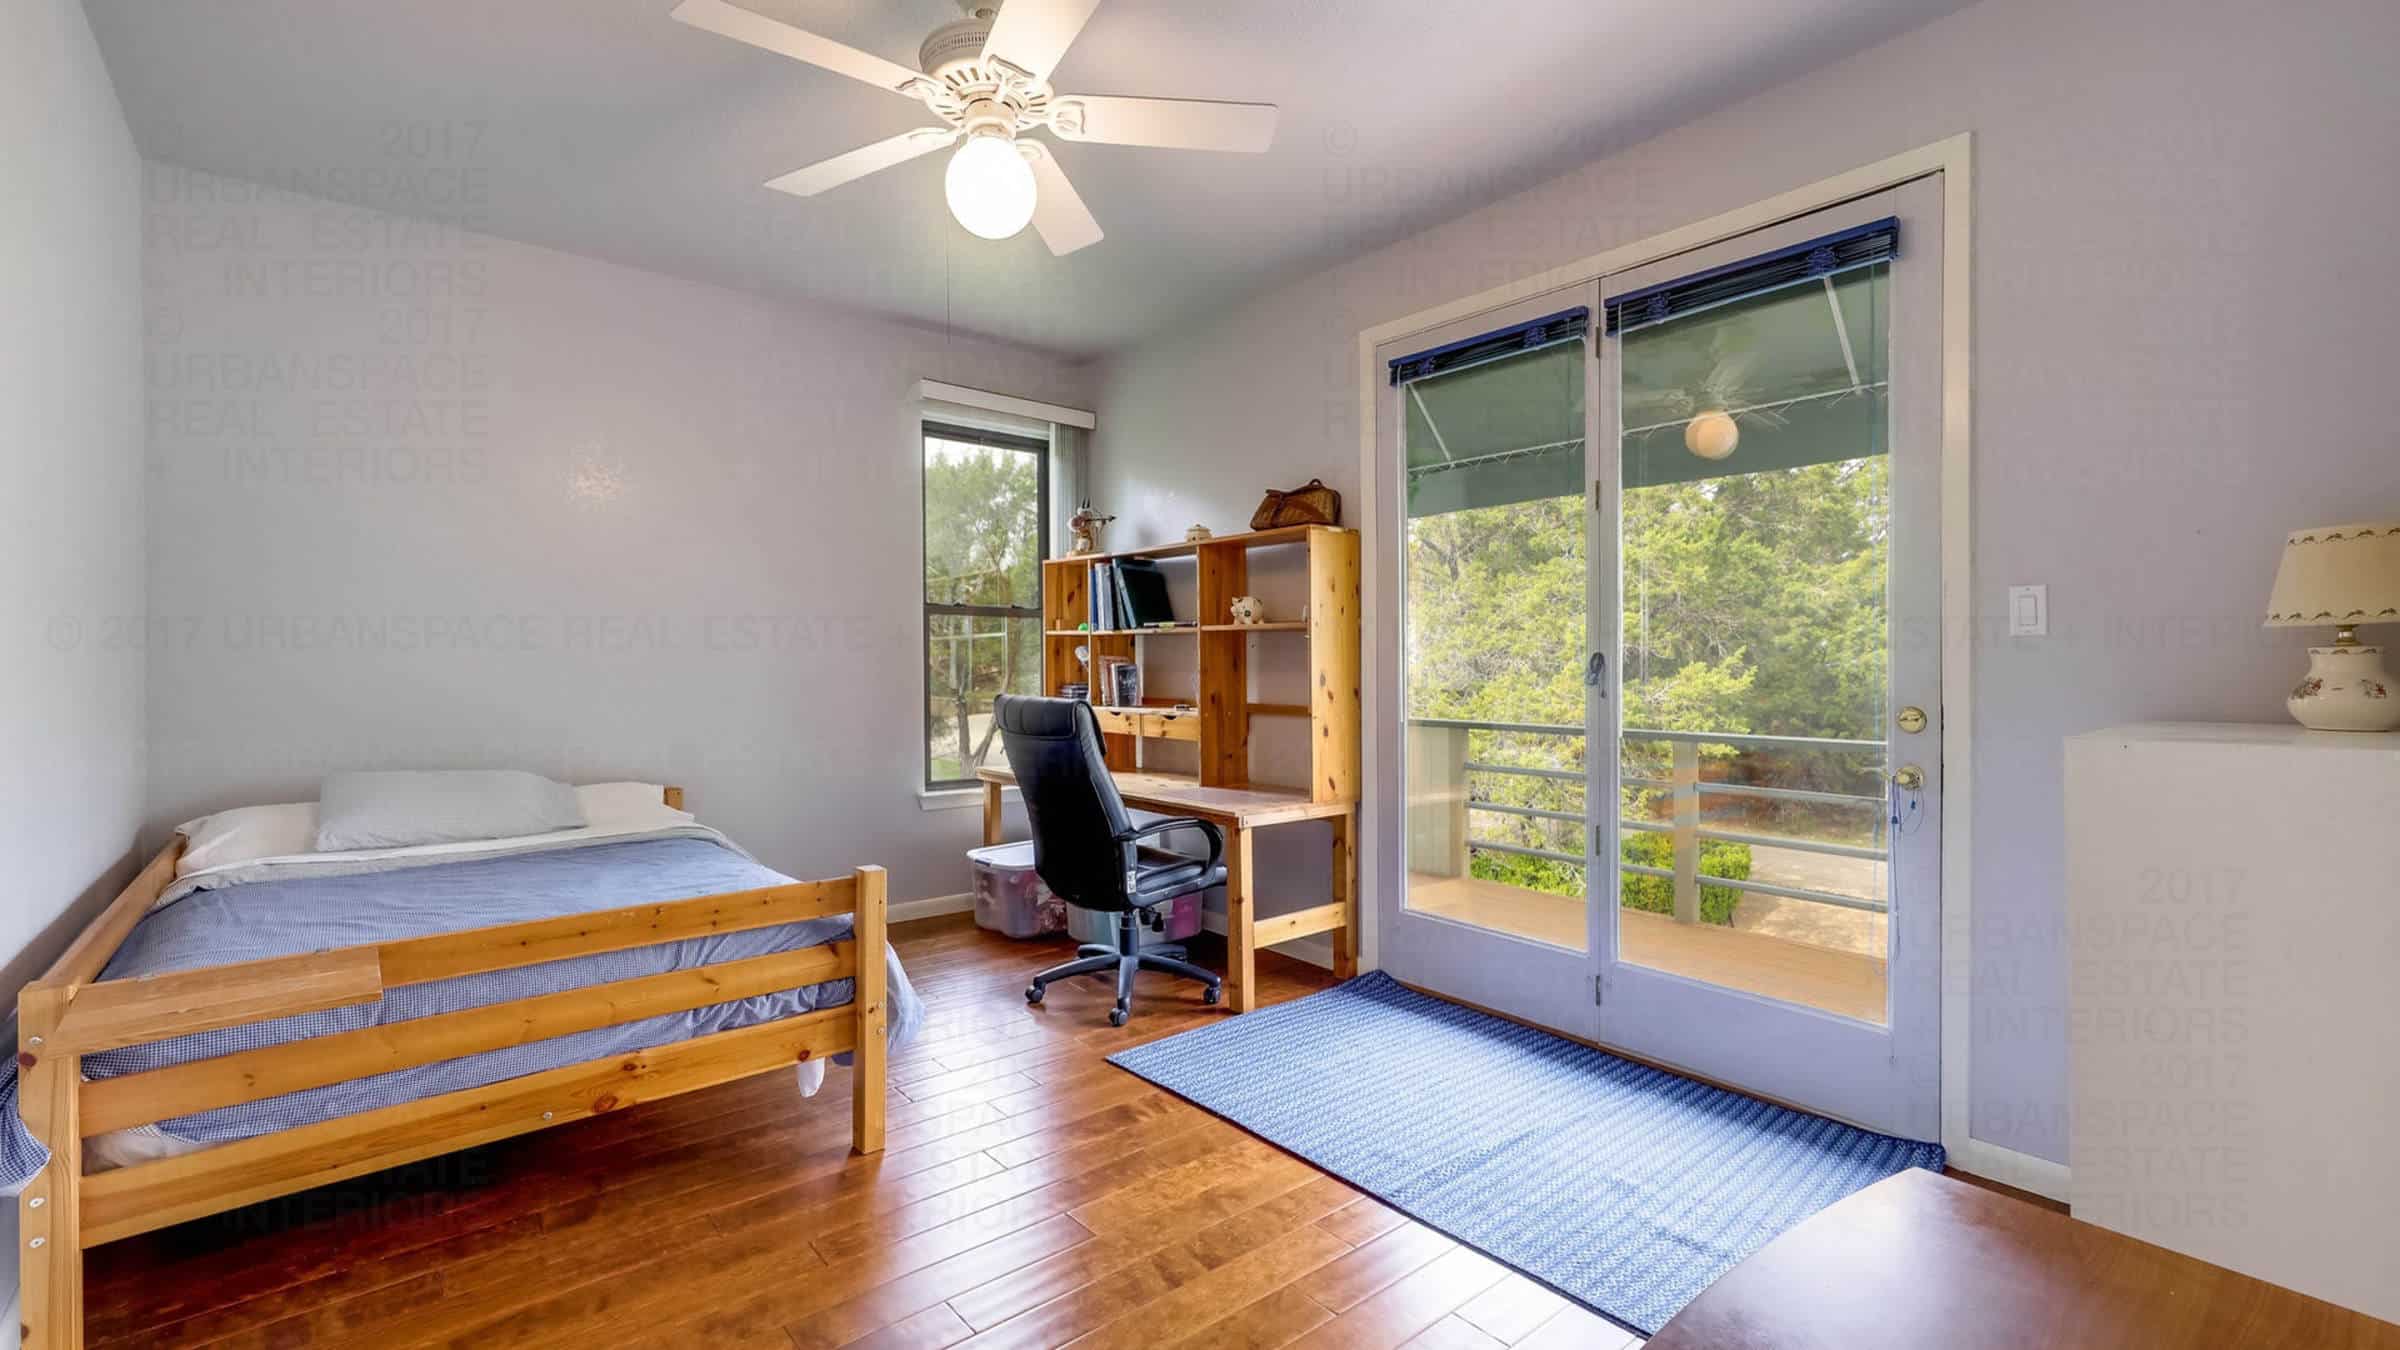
1247, 610
1083, 528
1198, 534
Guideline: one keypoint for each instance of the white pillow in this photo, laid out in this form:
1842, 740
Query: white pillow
618, 804
248, 833
441, 806
245, 834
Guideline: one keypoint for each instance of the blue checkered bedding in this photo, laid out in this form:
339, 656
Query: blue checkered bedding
292, 915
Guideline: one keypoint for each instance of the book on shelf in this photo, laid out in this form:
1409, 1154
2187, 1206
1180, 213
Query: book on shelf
1110, 680
1128, 594
1142, 591
1102, 599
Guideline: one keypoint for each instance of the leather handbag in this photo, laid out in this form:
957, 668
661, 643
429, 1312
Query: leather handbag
1312, 503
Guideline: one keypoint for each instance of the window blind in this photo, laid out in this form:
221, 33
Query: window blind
1548, 331
1859, 246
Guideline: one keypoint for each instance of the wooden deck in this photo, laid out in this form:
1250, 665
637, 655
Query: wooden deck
1032, 1195
1836, 981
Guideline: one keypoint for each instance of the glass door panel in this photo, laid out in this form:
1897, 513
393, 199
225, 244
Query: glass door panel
1487, 470
1773, 515
1495, 641
1755, 531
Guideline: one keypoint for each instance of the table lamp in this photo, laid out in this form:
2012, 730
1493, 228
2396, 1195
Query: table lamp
2341, 575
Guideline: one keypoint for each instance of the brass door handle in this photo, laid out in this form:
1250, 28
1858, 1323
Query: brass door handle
1908, 778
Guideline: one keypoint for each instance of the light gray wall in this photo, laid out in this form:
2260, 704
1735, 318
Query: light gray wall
426, 497
71, 513
2184, 299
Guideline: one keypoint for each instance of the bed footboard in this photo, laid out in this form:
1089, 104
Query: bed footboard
67, 1015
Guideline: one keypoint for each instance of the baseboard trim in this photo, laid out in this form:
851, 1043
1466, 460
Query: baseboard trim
931, 907
2025, 1171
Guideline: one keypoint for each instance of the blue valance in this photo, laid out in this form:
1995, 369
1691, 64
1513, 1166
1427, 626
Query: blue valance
1858, 246
1547, 331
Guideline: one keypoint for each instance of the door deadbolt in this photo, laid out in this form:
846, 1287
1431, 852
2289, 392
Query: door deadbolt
1912, 719
1908, 778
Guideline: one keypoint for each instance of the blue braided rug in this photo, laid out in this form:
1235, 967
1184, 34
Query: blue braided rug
1624, 1187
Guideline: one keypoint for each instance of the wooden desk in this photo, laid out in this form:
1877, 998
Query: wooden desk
1238, 811
1920, 1260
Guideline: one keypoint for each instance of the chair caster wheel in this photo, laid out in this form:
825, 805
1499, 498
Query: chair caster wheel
1033, 993
1211, 994
1117, 1016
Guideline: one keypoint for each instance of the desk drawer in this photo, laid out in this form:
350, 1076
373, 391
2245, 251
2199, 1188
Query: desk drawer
1157, 725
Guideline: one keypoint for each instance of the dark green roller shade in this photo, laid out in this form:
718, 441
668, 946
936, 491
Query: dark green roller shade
1777, 362
1511, 429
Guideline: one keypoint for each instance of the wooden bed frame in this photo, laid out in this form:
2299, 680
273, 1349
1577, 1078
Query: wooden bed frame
69, 1013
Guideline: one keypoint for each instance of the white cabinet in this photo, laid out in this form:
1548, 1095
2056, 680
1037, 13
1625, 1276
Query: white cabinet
2234, 1005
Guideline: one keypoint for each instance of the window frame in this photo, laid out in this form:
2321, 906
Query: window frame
929, 428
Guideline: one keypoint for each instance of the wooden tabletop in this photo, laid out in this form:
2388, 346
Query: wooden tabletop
1920, 1260
1182, 794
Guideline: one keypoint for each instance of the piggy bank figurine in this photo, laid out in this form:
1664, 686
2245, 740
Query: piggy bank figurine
1247, 610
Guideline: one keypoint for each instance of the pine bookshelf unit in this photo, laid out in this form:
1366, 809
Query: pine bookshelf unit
1224, 714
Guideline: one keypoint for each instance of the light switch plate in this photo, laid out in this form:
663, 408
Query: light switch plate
2029, 611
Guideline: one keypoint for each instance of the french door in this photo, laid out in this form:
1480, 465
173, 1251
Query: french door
1668, 660
1491, 464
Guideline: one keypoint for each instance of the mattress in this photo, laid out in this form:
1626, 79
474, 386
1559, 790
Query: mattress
289, 915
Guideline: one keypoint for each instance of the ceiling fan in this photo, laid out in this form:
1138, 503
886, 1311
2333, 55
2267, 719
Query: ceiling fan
987, 77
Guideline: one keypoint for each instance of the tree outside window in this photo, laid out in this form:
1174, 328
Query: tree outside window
986, 500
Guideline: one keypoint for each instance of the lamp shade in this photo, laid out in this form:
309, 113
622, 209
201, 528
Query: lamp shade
2337, 574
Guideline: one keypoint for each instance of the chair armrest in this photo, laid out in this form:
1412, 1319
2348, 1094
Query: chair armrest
1216, 837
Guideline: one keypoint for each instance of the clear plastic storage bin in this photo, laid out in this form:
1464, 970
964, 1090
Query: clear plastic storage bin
1009, 897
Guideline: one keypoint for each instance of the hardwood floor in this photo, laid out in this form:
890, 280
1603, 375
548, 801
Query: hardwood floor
1031, 1196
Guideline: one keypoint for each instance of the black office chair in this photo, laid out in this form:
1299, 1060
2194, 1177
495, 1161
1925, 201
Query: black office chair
1087, 850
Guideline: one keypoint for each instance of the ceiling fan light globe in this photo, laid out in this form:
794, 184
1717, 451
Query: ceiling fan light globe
1712, 434
990, 187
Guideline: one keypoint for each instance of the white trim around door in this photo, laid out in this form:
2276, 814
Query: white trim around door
1953, 160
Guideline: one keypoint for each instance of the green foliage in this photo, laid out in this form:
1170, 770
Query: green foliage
982, 547
1752, 602
982, 526
1547, 875
1755, 602
1655, 894
1496, 606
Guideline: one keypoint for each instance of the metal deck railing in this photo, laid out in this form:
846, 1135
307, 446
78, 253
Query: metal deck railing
1684, 789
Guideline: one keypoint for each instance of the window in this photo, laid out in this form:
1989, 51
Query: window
987, 501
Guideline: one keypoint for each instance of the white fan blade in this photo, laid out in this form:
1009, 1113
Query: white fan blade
716, 16
866, 159
1032, 34
1059, 215
1170, 123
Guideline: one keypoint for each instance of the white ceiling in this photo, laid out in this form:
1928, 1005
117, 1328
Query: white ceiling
602, 127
